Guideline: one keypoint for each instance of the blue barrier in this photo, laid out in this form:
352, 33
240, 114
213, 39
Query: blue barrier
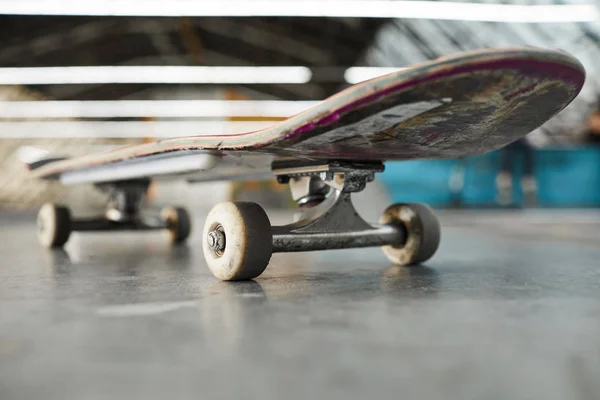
565, 177
425, 181
479, 180
568, 177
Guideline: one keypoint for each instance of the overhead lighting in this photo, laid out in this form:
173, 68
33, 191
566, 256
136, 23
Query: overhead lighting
358, 74
152, 74
174, 75
152, 108
123, 130
309, 8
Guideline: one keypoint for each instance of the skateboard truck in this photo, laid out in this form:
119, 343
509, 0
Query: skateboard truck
238, 238
125, 211
332, 222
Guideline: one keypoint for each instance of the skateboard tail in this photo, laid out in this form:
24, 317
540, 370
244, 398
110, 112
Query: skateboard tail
37, 157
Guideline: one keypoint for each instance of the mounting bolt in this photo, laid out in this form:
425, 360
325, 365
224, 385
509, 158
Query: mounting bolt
216, 240
283, 179
326, 176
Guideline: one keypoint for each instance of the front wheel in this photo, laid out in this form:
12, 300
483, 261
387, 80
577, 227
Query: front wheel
422, 233
237, 241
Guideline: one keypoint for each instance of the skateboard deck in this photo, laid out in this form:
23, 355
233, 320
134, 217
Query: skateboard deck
465, 104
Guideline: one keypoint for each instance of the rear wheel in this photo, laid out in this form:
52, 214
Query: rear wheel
179, 223
53, 225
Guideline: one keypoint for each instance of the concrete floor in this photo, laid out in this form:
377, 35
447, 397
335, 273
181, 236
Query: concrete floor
509, 308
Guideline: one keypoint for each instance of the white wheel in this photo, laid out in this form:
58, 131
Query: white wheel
179, 223
237, 241
53, 225
422, 233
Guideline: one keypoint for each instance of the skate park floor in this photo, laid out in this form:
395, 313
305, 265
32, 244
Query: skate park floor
509, 307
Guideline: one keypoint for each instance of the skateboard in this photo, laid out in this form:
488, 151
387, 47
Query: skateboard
464, 104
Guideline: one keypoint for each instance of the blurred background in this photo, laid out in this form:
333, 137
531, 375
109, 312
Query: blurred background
78, 77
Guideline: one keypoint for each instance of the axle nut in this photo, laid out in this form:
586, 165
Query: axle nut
216, 240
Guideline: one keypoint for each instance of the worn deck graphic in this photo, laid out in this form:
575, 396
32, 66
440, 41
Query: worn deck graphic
468, 103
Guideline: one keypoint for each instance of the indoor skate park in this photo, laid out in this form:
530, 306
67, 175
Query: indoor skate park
464, 274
